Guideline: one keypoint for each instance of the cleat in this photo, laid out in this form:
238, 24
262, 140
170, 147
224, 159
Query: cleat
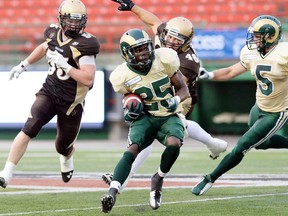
216, 146
66, 176
67, 168
107, 178
155, 199
4, 179
107, 203
3, 183
203, 186
156, 191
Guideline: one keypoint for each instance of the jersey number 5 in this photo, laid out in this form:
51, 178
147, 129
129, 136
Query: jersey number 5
266, 85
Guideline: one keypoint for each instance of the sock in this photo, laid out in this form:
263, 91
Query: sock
169, 156
116, 185
8, 169
197, 133
123, 167
161, 174
7, 172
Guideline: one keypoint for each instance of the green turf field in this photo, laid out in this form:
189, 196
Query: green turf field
272, 200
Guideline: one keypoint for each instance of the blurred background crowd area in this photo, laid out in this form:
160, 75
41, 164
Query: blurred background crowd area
23, 21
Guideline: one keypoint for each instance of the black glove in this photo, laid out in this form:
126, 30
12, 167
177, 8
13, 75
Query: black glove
125, 5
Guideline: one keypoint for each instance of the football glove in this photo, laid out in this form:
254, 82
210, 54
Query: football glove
17, 70
173, 103
130, 114
59, 61
125, 5
204, 74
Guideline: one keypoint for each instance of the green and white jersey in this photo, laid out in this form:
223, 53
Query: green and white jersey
271, 75
155, 86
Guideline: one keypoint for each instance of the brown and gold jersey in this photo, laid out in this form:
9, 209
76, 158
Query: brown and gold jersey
58, 84
189, 66
154, 87
271, 75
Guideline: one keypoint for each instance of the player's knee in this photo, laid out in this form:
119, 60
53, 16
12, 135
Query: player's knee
134, 149
32, 127
173, 141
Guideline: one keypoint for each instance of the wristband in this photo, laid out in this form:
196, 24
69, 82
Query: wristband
210, 75
178, 99
25, 63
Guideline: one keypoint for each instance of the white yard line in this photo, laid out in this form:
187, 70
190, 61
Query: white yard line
135, 205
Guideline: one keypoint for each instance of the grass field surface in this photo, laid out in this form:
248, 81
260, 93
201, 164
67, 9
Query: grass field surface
258, 186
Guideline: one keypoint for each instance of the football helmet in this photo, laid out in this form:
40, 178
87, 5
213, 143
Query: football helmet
72, 17
137, 49
265, 31
180, 28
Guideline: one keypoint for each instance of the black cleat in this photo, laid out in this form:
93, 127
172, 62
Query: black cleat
66, 176
107, 178
107, 202
3, 183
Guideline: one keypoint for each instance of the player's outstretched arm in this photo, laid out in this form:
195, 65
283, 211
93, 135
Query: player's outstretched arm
223, 73
145, 16
36, 55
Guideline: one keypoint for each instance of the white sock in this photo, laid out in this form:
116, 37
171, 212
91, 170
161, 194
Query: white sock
66, 165
8, 170
197, 133
161, 174
115, 184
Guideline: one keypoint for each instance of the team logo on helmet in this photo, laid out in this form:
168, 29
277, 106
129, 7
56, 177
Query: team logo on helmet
137, 49
265, 31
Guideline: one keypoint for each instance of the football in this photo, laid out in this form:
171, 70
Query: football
132, 98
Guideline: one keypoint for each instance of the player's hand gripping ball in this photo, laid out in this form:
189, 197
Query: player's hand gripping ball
133, 105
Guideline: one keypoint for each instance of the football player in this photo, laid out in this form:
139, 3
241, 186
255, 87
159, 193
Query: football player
176, 34
71, 55
154, 75
267, 60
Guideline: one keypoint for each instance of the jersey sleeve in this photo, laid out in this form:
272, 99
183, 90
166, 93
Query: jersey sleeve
51, 31
170, 60
117, 79
89, 44
243, 60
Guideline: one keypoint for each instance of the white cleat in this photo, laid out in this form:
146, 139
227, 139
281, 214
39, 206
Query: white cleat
216, 146
155, 199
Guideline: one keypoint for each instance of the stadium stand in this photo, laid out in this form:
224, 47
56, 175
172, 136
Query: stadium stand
23, 21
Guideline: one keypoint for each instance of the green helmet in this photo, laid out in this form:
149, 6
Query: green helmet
131, 42
270, 31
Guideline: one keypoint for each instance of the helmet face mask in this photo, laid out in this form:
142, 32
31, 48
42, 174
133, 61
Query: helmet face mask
72, 17
264, 32
177, 34
137, 49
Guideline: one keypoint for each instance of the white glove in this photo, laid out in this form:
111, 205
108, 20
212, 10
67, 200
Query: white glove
204, 74
173, 103
59, 61
17, 70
